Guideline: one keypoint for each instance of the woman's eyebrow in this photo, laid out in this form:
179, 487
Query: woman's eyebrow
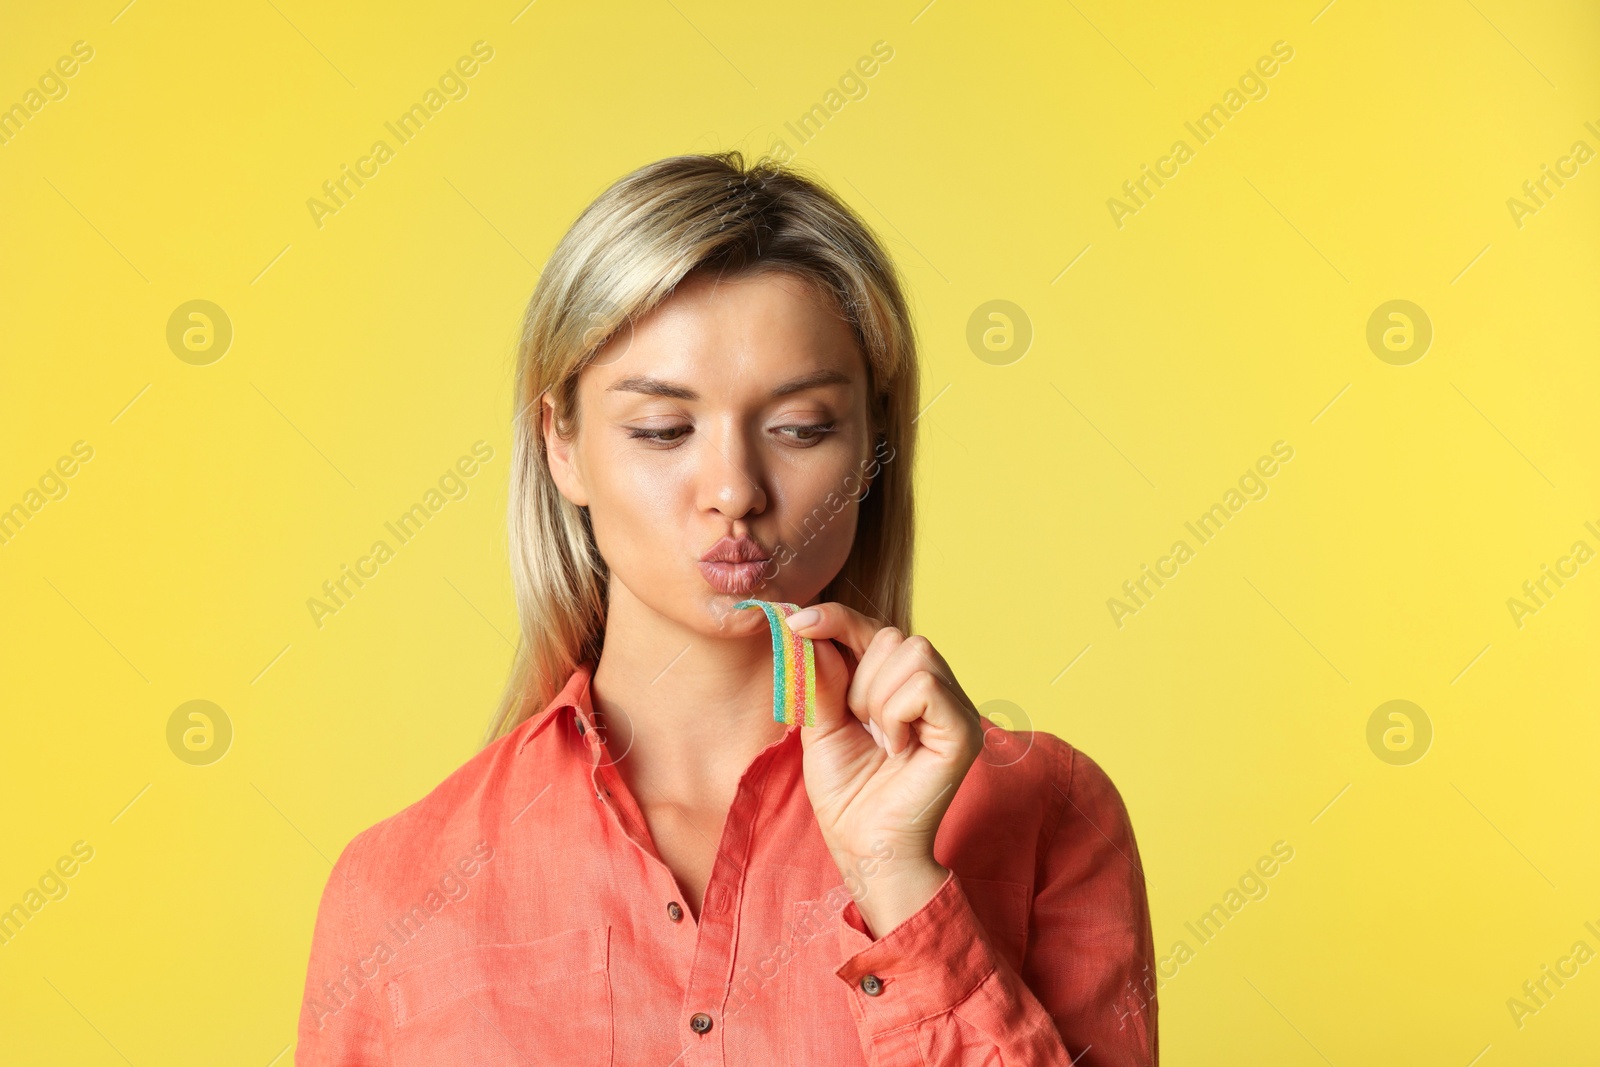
643, 383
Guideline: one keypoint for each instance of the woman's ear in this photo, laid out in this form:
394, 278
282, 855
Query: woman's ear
563, 465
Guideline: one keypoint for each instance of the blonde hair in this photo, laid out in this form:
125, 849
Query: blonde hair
623, 256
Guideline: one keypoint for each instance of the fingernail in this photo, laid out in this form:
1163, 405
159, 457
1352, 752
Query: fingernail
801, 619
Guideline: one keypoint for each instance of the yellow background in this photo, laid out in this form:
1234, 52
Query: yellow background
370, 353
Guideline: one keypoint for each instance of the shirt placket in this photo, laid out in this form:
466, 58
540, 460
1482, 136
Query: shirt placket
700, 1024
703, 1026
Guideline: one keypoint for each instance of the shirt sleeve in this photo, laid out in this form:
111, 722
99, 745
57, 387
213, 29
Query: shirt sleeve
340, 1018
1086, 994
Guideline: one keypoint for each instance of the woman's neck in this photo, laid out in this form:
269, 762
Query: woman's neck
683, 714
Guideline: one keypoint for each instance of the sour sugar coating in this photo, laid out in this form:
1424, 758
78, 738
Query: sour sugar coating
794, 665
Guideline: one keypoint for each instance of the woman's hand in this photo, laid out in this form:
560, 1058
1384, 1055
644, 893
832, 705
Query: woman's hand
894, 739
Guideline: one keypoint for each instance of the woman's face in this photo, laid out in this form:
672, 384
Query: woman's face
736, 409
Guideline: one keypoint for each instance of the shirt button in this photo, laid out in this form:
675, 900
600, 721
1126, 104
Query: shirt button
700, 1022
871, 986
581, 728
674, 911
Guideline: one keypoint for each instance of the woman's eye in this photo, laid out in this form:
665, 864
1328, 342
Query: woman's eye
664, 436
808, 435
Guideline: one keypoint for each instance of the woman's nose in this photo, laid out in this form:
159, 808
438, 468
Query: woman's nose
731, 476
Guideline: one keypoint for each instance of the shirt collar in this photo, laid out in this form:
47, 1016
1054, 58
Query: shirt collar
573, 701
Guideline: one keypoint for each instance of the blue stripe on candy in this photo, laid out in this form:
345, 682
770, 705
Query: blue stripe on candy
777, 653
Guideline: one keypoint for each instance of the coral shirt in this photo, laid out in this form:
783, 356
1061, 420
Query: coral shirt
519, 914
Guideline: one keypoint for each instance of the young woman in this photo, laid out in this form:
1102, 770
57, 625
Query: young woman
717, 389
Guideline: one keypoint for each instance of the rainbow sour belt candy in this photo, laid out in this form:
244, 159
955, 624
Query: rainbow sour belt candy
794, 666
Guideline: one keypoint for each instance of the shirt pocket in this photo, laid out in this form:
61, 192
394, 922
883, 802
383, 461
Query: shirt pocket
544, 1001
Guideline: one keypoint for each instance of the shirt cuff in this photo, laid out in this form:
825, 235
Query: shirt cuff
924, 967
